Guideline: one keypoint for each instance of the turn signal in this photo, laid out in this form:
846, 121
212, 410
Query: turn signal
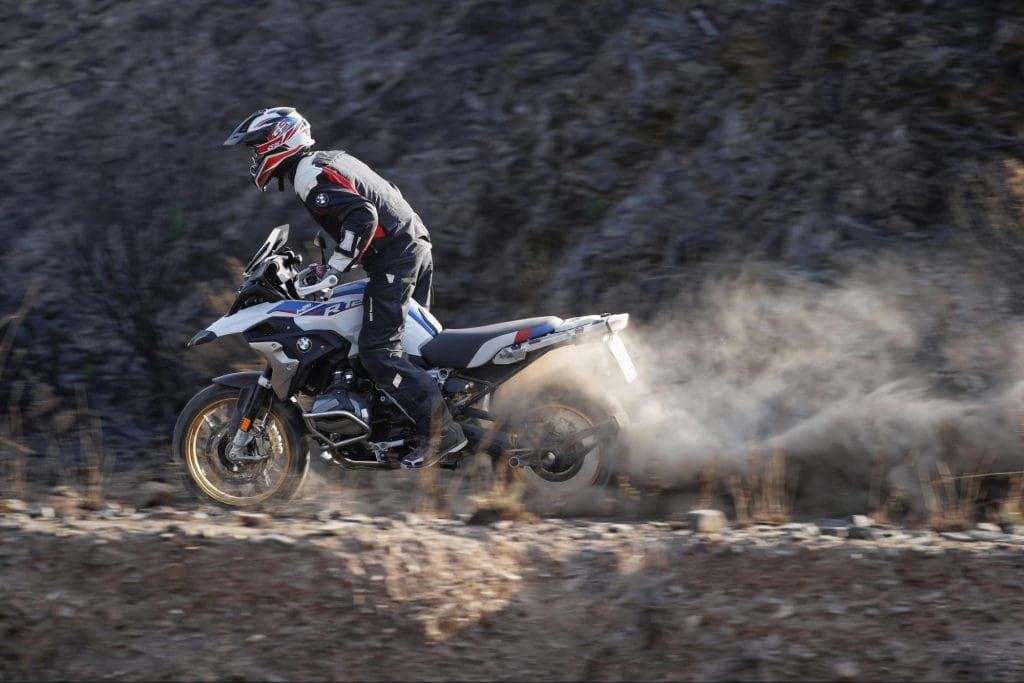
617, 323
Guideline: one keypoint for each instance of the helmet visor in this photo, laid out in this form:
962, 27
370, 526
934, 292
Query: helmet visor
241, 134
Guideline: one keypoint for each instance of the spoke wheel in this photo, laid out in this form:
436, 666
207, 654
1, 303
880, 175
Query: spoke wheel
549, 425
540, 419
203, 438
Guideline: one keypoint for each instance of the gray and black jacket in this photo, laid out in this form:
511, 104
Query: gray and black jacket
363, 212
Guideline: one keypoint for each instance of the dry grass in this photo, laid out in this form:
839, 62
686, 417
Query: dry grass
949, 500
1011, 507
91, 440
504, 500
14, 450
762, 493
491, 492
495, 491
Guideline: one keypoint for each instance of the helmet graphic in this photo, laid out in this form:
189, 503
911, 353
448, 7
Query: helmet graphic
274, 135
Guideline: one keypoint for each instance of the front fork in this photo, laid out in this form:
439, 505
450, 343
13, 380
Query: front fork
253, 401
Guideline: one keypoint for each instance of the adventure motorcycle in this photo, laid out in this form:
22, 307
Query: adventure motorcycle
247, 438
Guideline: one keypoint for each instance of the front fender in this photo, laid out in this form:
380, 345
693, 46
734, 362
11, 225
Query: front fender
238, 380
246, 382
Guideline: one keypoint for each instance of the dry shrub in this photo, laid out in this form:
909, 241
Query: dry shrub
1011, 507
503, 499
761, 492
951, 501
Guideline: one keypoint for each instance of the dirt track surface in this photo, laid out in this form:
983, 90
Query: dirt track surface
195, 593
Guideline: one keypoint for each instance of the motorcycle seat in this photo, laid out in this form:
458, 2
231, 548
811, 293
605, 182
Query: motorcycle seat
471, 347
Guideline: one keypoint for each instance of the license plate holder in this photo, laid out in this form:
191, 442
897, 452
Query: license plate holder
621, 355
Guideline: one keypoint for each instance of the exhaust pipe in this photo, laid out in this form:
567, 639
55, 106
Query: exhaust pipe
573, 448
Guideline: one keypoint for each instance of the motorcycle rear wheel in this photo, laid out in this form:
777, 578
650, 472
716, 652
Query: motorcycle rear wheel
552, 414
202, 439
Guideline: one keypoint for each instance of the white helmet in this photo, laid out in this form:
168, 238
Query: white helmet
274, 135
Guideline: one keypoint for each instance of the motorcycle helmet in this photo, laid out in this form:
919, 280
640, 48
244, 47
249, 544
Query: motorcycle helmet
274, 135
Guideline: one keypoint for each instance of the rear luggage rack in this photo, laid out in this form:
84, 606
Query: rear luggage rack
589, 326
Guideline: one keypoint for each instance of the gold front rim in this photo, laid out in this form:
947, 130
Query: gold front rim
208, 438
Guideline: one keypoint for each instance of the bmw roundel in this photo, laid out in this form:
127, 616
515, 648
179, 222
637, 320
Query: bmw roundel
320, 199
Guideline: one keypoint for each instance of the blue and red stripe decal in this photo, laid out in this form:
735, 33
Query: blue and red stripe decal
418, 317
294, 307
533, 332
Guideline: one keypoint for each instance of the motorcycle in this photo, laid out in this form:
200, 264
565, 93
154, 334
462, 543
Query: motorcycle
248, 437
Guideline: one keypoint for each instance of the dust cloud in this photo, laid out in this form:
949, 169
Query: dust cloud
874, 393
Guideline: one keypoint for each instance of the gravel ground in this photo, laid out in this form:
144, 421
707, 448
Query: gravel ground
318, 592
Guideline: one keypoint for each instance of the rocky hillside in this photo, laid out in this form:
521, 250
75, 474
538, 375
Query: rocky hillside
568, 158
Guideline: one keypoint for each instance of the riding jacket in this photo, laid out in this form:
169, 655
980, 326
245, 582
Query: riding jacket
364, 213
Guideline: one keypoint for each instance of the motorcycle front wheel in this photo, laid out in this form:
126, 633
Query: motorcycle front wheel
202, 440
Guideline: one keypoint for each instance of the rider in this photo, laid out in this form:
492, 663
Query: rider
373, 227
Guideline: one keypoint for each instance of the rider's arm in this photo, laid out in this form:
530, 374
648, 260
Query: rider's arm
355, 216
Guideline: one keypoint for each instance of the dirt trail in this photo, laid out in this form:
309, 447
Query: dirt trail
188, 592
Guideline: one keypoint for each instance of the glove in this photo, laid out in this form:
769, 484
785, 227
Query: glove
314, 273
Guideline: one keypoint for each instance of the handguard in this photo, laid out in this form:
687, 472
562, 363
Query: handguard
329, 281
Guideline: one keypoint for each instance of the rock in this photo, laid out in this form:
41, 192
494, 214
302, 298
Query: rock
784, 611
845, 670
801, 532
988, 526
13, 505
206, 531
410, 518
706, 521
65, 492
333, 529
861, 521
154, 493
828, 522
253, 519
833, 527
275, 538
984, 535
864, 533
166, 512
41, 511
92, 504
